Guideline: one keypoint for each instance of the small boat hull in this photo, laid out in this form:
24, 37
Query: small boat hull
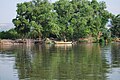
61, 42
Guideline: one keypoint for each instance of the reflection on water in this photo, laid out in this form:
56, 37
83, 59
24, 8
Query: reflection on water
60, 62
113, 57
7, 64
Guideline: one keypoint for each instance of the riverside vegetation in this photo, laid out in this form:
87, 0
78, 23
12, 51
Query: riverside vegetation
63, 20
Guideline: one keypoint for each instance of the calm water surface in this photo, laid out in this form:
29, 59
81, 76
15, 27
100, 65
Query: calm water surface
60, 62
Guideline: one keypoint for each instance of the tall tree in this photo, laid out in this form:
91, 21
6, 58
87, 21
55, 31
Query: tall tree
64, 10
21, 21
81, 18
36, 16
100, 18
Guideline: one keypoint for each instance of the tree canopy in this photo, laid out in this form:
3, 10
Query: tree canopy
63, 19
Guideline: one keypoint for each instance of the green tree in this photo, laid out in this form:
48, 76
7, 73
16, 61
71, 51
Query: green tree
46, 17
21, 21
11, 34
100, 18
81, 18
64, 10
115, 29
36, 16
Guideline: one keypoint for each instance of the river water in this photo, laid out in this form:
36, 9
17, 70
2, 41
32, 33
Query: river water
60, 62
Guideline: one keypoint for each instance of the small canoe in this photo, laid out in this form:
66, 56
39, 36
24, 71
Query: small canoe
61, 42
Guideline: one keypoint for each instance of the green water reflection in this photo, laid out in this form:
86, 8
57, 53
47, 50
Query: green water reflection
65, 62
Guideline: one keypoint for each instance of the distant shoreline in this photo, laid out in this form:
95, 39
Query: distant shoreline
33, 41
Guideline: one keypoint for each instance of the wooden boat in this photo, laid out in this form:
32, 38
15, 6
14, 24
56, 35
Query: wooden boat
62, 42
63, 45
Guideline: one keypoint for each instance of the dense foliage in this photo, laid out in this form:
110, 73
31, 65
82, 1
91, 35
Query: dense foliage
115, 26
11, 34
64, 19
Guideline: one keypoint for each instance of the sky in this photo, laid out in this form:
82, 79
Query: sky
8, 9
